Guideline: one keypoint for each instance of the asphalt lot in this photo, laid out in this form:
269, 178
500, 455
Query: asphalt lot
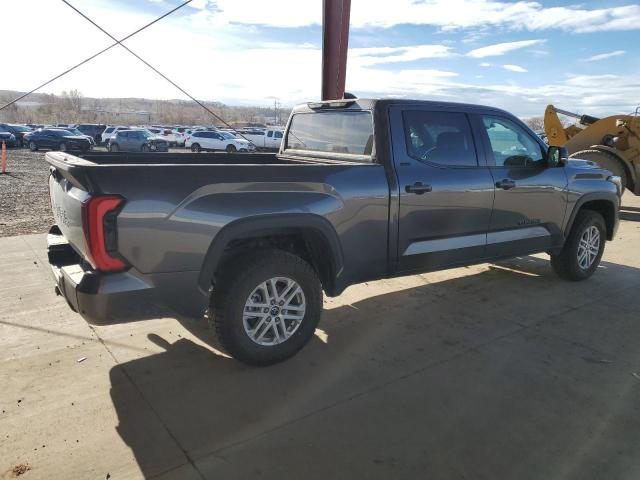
488, 372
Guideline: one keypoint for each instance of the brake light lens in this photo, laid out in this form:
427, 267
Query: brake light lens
98, 224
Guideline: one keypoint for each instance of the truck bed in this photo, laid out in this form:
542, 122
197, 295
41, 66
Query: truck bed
174, 205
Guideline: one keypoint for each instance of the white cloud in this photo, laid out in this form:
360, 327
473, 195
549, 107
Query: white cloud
380, 55
514, 68
502, 48
445, 14
485, 64
603, 56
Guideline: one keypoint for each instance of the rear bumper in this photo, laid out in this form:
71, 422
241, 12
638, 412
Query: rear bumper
99, 297
104, 298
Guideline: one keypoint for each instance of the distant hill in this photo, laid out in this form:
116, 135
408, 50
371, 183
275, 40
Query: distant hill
73, 107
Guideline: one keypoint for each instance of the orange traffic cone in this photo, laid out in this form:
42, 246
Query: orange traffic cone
4, 158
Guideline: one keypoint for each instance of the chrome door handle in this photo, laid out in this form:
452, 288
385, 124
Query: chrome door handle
506, 184
418, 188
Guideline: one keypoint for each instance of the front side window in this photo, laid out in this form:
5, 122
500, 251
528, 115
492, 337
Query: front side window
510, 144
277, 135
332, 132
441, 138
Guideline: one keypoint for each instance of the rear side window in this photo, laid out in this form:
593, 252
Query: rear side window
332, 132
442, 138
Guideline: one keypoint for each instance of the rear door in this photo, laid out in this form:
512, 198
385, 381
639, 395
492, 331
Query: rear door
122, 138
530, 198
446, 189
218, 141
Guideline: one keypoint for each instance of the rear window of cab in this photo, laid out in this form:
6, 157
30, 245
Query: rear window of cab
334, 133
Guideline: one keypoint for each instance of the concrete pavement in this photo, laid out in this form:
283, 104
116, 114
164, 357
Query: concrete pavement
487, 372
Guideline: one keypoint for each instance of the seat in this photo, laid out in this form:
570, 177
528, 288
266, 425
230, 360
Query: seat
449, 147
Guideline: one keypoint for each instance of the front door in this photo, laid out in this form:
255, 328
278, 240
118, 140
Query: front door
446, 191
49, 139
531, 197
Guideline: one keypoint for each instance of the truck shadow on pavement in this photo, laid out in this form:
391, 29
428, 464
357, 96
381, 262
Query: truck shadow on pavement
630, 214
490, 374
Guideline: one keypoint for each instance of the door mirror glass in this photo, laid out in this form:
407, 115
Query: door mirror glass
557, 156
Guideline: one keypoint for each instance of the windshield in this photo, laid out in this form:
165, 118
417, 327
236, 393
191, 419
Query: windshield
332, 132
227, 135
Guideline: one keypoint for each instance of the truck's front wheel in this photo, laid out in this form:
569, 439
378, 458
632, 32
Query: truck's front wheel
266, 307
583, 248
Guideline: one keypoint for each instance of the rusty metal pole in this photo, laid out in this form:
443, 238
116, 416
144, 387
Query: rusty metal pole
335, 43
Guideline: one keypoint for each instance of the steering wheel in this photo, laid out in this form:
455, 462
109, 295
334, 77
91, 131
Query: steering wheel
519, 161
426, 152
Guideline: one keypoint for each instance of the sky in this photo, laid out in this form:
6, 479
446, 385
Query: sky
516, 55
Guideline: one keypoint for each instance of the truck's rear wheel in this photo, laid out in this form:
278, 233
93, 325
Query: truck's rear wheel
606, 160
583, 248
266, 307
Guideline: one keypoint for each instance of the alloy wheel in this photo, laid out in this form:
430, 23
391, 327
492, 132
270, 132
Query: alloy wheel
274, 311
588, 247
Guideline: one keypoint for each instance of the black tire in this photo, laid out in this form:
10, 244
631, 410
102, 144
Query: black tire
114, 147
196, 148
234, 287
565, 264
145, 148
231, 148
62, 147
33, 146
606, 160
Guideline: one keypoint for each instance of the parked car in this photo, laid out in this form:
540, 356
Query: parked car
57, 139
78, 133
18, 131
109, 132
210, 141
137, 140
269, 139
92, 129
8, 138
360, 190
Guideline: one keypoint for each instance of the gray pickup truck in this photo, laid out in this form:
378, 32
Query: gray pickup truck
360, 190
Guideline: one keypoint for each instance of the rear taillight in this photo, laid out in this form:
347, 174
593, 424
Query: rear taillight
99, 225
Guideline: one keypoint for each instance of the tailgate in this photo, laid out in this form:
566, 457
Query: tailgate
66, 204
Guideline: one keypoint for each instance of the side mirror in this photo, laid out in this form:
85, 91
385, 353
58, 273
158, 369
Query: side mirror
557, 156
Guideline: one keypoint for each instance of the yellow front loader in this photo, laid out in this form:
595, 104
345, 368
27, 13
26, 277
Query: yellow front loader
611, 142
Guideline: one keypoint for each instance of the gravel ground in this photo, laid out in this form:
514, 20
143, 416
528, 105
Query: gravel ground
24, 193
